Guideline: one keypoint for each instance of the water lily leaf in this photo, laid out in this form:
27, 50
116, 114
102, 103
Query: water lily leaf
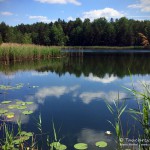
101, 144
27, 112
81, 146
10, 115
22, 107
12, 106
58, 146
3, 111
29, 103
6, 102
20, 103
26, 133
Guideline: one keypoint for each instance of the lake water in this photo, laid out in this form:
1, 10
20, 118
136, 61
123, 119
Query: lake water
73, 91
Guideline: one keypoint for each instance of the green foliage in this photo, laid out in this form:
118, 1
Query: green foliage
117, 113
101, 144
119, 32
1, 41
81, 146
13, 52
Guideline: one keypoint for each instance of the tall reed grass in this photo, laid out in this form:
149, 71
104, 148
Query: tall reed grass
19, 52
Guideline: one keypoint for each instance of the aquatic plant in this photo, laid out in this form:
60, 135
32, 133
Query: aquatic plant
117, 112
20, 52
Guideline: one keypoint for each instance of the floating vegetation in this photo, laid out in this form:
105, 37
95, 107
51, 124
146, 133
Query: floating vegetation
101, 144
3, 111
8, 87
24, 136
28, 103
12, 106
27, 112
10, 115
18, 105
22, 107
6, 102
81, 146
58, 146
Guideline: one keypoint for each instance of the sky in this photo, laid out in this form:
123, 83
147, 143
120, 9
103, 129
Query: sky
14, 12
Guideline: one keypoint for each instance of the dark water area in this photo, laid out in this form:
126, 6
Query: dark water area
73, 91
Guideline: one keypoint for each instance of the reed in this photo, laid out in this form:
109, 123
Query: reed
19, 52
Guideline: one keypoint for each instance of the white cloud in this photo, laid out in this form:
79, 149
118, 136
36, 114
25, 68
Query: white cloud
105, 79
55, 91
70, 18
106, 12
75, 2
41, 19
143, 5
88, 97
39, 74
6, 13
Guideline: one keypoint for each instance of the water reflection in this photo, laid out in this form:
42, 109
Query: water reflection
106, 79
88, 97
92, 66
55, 91
91, 136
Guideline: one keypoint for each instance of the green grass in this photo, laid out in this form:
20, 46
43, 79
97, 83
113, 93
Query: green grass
20, 52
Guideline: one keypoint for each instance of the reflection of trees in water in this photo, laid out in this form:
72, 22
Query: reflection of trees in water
99, 64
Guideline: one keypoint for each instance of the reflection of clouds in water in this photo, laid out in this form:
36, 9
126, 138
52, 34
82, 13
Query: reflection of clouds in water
90, 137
88, 97
105, 79
39, 73
139, 86
56, 91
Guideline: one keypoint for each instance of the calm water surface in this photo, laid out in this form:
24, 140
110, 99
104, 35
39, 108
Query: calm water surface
72, 92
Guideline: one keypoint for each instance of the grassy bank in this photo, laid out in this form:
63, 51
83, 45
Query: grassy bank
105, 47
19, 52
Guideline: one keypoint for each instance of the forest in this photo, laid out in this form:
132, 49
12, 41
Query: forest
100, 32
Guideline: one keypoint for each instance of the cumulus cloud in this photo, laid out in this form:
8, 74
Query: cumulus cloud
41, 19
6, 13
106, 12
70, 18
55, 91
143, 5
88, 97
105, 79
75, 2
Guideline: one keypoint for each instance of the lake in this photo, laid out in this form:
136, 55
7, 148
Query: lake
73, 91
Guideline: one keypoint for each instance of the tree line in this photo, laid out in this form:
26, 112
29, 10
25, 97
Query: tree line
100, 32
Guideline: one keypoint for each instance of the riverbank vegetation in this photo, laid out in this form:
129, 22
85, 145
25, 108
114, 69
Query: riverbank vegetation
100, 32
19, 52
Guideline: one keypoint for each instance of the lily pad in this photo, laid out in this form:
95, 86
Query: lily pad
22, 107
6, 102
81, 146
101, 144
26, 133
3, 111
27, 112
20, 103
12, 106
29, 103
10, 115
58, 146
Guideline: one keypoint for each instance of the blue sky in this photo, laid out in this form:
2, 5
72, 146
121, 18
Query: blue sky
15, 12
